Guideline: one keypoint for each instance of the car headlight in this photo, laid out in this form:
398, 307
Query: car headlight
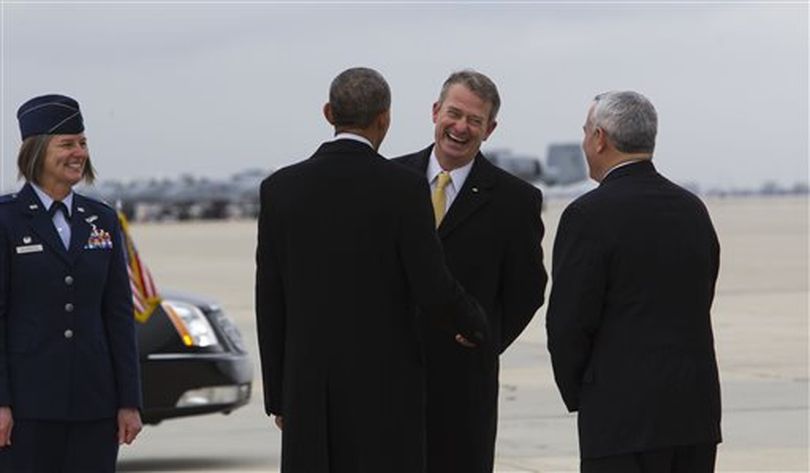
191, 324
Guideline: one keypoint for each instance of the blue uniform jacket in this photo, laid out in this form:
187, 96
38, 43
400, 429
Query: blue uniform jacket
67, 335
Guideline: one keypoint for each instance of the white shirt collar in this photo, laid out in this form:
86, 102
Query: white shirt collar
47, 201
457, 176
352, 136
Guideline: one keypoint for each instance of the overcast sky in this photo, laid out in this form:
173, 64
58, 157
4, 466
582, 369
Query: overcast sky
211, 89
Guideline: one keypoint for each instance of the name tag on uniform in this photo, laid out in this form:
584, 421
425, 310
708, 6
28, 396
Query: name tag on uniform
21, 250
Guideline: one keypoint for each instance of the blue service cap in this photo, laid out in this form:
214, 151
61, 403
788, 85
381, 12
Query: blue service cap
50, 115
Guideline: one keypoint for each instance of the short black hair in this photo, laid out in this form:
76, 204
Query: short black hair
358, 96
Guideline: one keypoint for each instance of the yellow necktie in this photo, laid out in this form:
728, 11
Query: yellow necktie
439, 198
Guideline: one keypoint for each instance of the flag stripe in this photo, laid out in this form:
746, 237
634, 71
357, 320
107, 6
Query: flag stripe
145, 297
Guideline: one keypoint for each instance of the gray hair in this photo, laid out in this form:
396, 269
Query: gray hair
628, 119
479, 84
357, 96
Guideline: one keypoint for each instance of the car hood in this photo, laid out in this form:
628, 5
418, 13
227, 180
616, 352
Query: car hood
207, 305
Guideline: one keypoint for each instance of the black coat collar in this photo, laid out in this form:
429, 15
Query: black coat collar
344, 145
474, 194
644, 166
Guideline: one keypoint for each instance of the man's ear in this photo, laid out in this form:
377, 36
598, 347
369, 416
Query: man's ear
327, 112
490, 129
436, 107
601, 139
384, 120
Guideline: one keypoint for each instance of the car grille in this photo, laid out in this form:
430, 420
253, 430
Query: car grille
229, 329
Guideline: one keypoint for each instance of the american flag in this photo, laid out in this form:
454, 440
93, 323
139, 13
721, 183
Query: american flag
144, 295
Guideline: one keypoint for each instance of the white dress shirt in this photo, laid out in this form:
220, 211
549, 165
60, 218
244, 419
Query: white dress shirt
351, 136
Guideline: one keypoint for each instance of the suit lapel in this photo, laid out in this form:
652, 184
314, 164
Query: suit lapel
41, 222
79, 228
474, 194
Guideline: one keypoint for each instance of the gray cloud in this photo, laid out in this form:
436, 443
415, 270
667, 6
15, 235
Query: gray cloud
212, 89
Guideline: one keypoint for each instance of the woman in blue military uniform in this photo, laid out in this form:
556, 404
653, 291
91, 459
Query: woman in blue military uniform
69, 383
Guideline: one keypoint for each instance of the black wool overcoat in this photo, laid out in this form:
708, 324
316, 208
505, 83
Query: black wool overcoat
629, 330
346, 251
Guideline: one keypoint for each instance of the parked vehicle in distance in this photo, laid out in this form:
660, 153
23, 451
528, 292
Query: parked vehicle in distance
191, 197
564, 164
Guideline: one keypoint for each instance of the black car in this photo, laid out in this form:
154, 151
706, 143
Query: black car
193, 360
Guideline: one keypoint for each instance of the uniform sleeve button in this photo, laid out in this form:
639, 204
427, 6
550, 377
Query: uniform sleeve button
68, 333
69, 280
68, 307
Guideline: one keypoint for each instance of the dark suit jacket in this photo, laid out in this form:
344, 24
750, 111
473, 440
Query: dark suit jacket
346, 249
491, 237
629, 331
67, 335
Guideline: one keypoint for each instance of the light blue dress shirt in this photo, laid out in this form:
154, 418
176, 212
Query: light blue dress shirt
59, 221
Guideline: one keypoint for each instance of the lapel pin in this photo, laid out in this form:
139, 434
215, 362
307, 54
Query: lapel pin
91, 219
26, 240
33, 206
475, 189
80, 209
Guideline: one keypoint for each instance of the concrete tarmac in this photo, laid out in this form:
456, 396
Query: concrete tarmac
760, 317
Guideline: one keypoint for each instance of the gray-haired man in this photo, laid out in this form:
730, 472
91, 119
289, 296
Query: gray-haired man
629, 330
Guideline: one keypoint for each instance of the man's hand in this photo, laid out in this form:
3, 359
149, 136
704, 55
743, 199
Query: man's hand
464, 342
279, 422
129, 425
6, 423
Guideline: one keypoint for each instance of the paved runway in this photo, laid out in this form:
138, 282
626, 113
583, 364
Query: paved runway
761, 330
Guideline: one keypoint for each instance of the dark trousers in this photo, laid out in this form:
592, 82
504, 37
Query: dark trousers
61, 447
686, 459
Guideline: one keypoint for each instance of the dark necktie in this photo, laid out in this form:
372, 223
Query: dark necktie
58, 205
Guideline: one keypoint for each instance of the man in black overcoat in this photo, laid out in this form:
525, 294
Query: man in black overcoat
629, 331
491, 236
346, 252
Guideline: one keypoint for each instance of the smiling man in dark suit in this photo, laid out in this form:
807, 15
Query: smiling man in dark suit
346, 251
490, 227
629, 330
